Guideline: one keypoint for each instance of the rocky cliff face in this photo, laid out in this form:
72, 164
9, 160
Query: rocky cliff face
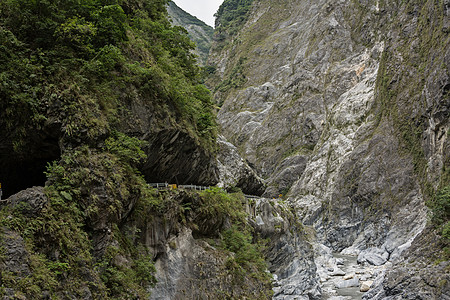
289, 252
344, 107
235, 172
193, 268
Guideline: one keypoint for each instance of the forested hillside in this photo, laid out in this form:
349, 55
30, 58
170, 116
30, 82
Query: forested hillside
54, 51
70, 69
231, 16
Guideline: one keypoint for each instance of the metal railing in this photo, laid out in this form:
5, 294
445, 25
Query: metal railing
194, 187
181, 186
159, 185
168, 186
251, 196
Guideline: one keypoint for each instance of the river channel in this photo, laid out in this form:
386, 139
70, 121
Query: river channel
349, 266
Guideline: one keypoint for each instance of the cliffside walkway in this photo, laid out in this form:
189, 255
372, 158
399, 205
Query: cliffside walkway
168, 186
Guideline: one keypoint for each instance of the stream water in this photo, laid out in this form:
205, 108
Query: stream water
348, 266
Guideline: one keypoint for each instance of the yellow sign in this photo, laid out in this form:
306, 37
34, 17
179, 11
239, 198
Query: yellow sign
0, 185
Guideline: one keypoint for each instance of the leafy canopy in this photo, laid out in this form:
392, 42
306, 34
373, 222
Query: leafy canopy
80, 57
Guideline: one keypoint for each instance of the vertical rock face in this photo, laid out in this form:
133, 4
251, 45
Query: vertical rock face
306, 76
189, 268
345, 106
235, 172
191, 265
289, 251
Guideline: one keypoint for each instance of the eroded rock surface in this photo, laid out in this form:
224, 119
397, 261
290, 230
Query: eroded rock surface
345, 108
290, 254
30, 202
235, 172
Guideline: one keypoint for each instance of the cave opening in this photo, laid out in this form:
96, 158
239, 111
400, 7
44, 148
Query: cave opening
19, 171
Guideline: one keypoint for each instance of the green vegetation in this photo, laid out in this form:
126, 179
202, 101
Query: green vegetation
77, 59
446, 232
248, 258
234, 80
97, 186
223, 209
121, 280
441, 207
230, 17
216, 210
76, 66
220, 219
441, 213
217, 205
241, 48
86, 187
125, 147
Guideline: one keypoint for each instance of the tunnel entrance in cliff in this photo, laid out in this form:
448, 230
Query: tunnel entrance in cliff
23, 169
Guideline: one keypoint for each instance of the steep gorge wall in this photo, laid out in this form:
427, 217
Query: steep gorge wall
344, 106
341, 106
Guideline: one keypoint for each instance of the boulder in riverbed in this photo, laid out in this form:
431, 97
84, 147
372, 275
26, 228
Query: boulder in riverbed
365, 286
349, 276
337, 272
342, 284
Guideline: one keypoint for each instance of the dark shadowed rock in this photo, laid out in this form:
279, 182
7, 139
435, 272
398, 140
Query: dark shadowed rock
175, 156
174, 153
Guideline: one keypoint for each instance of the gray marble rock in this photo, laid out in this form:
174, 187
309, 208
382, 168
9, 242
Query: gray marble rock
335, 112
373, 256
342, 284
235, 172
289, 253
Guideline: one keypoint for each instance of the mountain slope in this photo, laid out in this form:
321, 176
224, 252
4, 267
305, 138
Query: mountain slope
200, 33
